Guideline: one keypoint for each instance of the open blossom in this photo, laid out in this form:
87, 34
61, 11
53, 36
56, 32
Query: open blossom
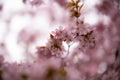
85, 35
63, 34
55, 46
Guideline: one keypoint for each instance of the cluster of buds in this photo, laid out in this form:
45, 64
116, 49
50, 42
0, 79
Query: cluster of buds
75, 8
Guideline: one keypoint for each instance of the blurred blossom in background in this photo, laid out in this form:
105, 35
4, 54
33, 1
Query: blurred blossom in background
36, 32
23, 27
26, 24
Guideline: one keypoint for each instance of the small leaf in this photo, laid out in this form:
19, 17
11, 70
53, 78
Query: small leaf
72, 10
51, 36
77, 2
70, 4
72, 1
80, 8
75, 14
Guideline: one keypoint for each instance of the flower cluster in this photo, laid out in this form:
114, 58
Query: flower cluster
92, 51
